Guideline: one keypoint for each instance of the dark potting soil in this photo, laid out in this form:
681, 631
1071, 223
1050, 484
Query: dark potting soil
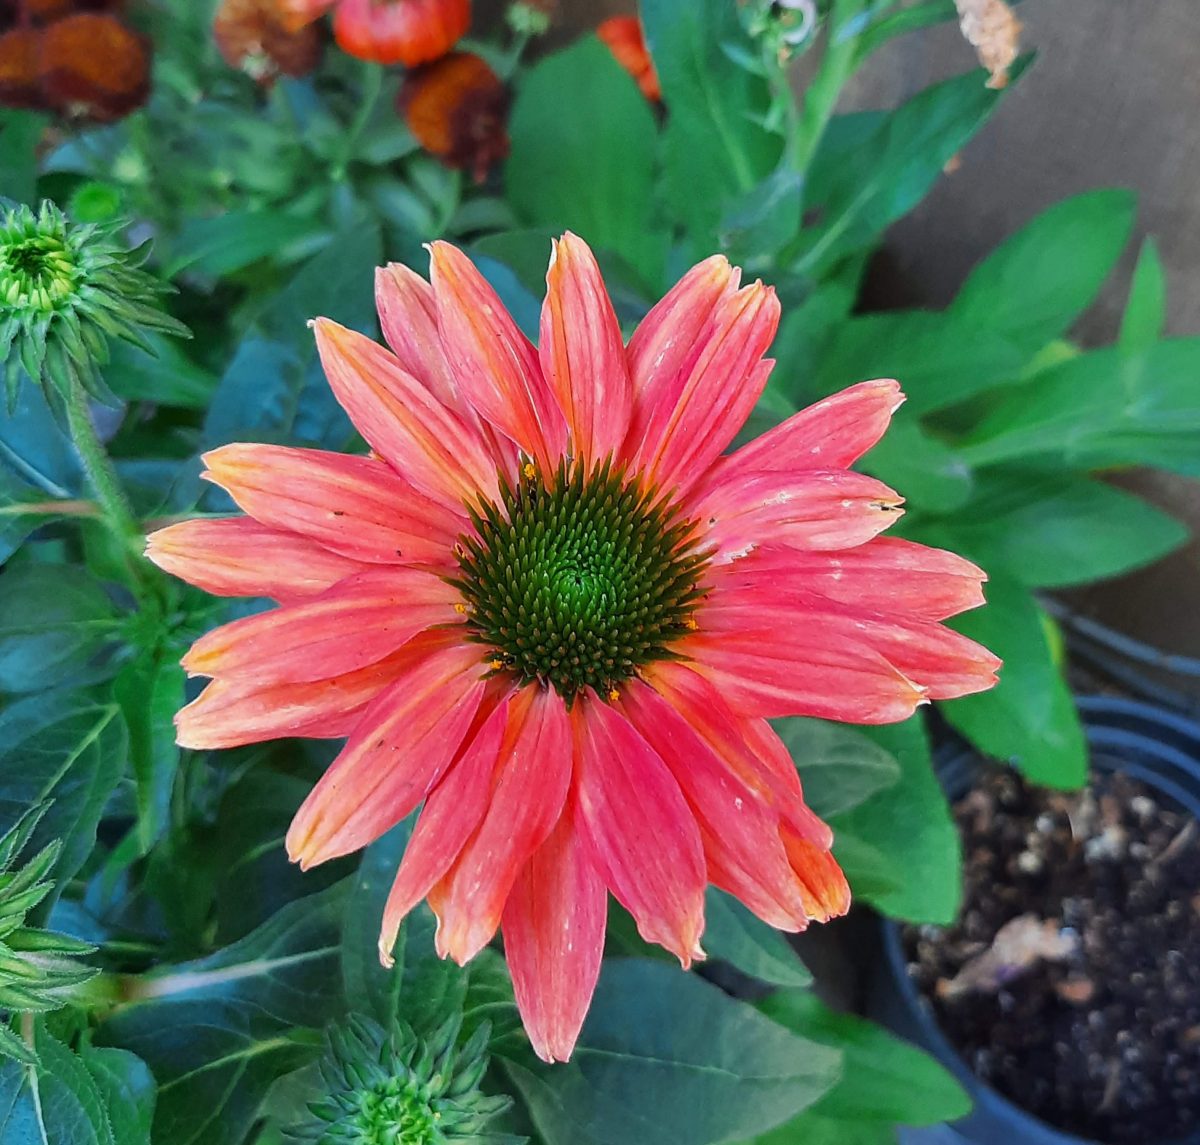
1071, 983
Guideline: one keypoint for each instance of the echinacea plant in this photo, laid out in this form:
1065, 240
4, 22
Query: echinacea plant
552, 608
395, 1088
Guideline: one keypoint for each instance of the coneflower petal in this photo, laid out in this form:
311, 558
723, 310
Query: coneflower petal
532, 774
357, 622
553, 925
408, 318
238, 556
641, 834
582, 352
399, 750
495, 365
356, 506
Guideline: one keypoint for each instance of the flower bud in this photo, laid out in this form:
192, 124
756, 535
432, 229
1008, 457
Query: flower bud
408, 32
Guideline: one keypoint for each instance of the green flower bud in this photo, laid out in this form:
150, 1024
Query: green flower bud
399, 1089
65, 290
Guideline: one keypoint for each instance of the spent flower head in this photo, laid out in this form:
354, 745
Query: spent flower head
65, 290
38, 968
400, 1089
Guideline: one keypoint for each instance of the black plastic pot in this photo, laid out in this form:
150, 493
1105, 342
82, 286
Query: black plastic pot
1159, 747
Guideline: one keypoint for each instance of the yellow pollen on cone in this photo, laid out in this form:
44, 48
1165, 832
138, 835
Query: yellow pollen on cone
530, 470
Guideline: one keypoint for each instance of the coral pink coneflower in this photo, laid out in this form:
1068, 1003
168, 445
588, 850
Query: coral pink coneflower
549, 608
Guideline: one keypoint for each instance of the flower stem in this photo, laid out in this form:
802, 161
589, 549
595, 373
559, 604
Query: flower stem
101, 474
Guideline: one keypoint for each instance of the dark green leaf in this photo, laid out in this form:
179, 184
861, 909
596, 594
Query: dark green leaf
883, 1079
840, 767
20, 134
583, 142
909, 825
55, 622
763, 220
1051, 530
1038, 281
734, 935
862, 191
65, 746
666, 1058
1146, 311
929, 473
128, 1090
812, 1129
218, 1031
716, 149
167, 377
1029, 718
222, 244
150, 691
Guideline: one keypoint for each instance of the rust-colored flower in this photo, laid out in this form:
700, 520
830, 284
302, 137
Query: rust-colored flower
20, 84
457, 107
626, 40
257, 37
91, 64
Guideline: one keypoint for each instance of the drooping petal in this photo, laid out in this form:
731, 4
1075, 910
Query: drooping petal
495, 365
229, 713
943, 663
750, 748
553, 926
424, 441
400, 747
739, 830
668, 341
771, 671
237, 556
529, 788
408, 317
451, 814
582, 352
823, 885
700, 410
641, 834
356, 623
832, 434
356, 506
813, 509
900, 576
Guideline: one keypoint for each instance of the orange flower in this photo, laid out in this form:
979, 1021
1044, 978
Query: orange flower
553, 610
457, 108
91, 64
20, 83
256, 37
408, 32
626, 40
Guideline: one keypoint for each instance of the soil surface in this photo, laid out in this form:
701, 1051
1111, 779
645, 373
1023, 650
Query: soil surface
1071, 982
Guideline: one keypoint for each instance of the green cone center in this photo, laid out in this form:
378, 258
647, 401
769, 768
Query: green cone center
37, 271
395, 1112
580, 579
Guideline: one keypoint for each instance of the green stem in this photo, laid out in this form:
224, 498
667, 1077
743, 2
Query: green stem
98, 466
372, 87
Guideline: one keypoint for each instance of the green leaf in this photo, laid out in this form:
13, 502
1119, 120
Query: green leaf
716, 149
1029, 719
20, 134
813, 1129
665, 1057
222, 244
583, 142
1145, 315
863, 185
1052, 530
65, 746
883, 1078
910, 826
218, 1031
1107, 407
762, 221
55, 622
1039, 280
734, 935
150, 691
54, 1103
840, 767
420, 988
166, 377
128, 1089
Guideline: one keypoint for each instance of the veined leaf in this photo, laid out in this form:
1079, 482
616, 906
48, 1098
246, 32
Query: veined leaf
840, 767
734, 935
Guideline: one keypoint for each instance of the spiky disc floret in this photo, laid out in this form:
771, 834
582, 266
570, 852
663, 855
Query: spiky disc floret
579, 580
65, 289
398, 1089
38, 970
